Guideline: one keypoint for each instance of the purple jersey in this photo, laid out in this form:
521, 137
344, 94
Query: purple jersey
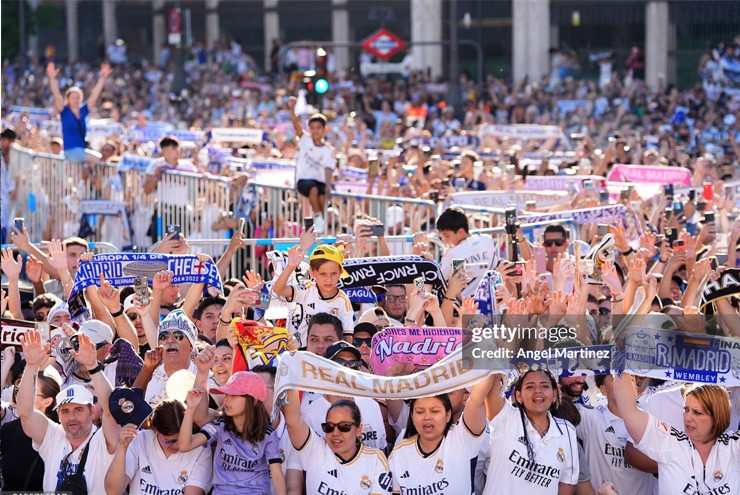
239, 466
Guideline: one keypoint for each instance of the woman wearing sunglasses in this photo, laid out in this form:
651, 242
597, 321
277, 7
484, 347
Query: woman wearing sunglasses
249, 458
373, 424
150, 461
701, 459
340, 460
436, 454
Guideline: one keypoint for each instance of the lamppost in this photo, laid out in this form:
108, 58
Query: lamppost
453, 90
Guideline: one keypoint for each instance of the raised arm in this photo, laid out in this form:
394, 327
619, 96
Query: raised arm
294, 118
116, 479
33, 421
635, 419
204, 362
86, 356
281, 287
494, 400
110, 297
297, 426
51, 73
475, 409
12, 267
105, 71
187, 441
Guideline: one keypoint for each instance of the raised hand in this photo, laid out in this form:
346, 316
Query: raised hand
162, 280
153, 358
611, 278
51, 71
57, 255
3, 301
647, 241
127, 435
33, 269
105, 71
34, 352
109, 295
253, 280
194, 397
205, 359
11, 267
87, 356
636, 271
468, 306
295, 256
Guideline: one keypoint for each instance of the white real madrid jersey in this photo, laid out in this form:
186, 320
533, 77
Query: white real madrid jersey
150, 471
680, 468
448, 470
307, 301
367, 473
373, 427
512, 471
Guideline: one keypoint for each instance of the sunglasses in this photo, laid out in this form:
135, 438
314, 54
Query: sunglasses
344, 426
39, 316
177, 335
354, 364
132, 316
358, 341
393, 299
167, 442
550, 242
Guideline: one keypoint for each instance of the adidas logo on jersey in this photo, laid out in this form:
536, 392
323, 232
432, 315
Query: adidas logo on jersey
147, 470
405, 475
227, 441
521, 440
610, 429
311, 305
333, 472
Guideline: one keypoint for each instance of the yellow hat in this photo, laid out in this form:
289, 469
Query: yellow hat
327, 252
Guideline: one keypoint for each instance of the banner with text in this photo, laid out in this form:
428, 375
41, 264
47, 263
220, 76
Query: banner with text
418, 346
650, 174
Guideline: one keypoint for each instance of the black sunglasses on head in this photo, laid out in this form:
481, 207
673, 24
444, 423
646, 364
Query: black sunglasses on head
550, 242
344, 426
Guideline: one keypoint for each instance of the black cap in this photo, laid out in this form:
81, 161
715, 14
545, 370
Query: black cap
127, 405
366, 326
337, 347
8, 133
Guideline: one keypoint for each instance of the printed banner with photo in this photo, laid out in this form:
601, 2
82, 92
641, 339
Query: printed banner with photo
419, 346
687, 357
121, 270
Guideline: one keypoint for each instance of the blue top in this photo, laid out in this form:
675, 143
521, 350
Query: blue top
71, 134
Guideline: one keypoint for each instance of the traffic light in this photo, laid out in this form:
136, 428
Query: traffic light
321, 81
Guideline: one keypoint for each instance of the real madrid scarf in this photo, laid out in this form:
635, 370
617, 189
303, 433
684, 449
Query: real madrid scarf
366, 272
308, 372
122, 269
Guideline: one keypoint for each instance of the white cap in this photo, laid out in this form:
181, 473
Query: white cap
394, 215
60, 307
98, 331
74, 394
128, 303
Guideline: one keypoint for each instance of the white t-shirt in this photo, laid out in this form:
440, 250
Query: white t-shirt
511, 471
680, 468
55, 447
448, 469
150, 471
312, 160
604, 437
307, 301
366, 473
479, 252
174, 189
373, 427
667, 406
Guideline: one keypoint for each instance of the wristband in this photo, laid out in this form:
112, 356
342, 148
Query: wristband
408, 320
117, 313
96, 369
227, 323
450, 299
628, 252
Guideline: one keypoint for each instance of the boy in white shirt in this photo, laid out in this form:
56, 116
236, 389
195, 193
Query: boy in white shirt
320, 295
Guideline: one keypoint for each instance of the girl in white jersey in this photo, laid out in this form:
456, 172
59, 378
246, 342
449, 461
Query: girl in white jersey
532, 452
702, 459
338, 464
437, 456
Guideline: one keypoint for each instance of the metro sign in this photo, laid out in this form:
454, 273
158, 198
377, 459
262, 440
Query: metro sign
383, 44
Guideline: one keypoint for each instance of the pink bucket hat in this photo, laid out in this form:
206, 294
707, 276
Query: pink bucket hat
243, 383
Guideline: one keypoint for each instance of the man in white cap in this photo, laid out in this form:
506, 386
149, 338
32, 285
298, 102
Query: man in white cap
74, 451
177, 338
58, 314
101, 336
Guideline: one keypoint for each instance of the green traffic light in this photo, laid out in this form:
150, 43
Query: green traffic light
321, 86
